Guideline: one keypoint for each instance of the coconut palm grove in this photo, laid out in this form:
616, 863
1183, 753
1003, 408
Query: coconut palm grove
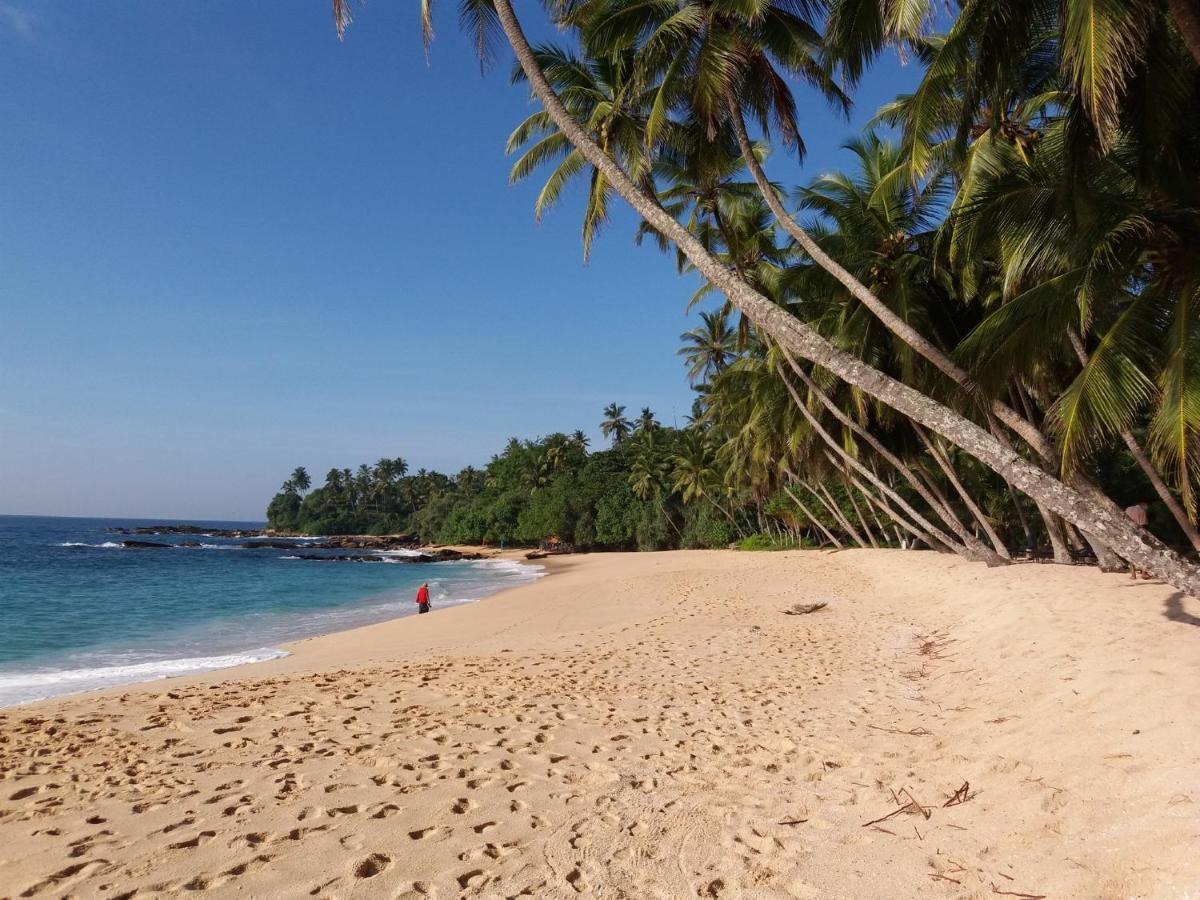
979, 338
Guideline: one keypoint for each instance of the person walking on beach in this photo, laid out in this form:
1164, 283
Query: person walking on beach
1138, 516
423, 598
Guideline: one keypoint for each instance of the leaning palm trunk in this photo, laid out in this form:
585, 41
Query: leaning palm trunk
936, 533
878, 524
1019, 424
1160, 488
1139, 456
862, 521
930, 533
944, 507
892, 514
833, 510
968, 539
832, 505
813, 519
1050, 522
968, 501
1140, 548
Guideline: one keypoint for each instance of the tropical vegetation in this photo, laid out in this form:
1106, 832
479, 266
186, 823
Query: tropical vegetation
983, 337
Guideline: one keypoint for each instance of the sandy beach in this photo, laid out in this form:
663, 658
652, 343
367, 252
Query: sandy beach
652, 725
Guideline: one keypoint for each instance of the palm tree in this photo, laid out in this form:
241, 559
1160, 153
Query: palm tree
708, 348
615, 426
580, 440
601, 94
646, 422
300, 480
1140, 549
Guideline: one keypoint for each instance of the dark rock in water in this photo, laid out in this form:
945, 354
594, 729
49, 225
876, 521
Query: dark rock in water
282, 545
145, 545
341, 557
372, 541
191, 544
445, 555
435, 556
190, 529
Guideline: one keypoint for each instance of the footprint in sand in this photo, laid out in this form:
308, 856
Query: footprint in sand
194, 842
372, 865
433, 833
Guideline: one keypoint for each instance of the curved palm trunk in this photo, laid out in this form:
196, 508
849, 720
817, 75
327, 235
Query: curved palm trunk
832, 508
862, 521
1160, 488
878, 524
967, 499
813, 519
892, 514
930, 533
968, 539
1139, 456
886, 316
1050, 522
1141, 549
1022, 519
943, 507
831, 504
936, 533
1025, 428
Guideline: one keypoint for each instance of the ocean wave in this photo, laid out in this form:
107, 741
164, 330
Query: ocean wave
23, 687
291, 557
107, 545
511, 566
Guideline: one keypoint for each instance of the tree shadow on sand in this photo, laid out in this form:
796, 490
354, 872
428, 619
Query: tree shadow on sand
1173, 610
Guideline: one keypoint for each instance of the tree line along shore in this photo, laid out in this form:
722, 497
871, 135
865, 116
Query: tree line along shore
979, 337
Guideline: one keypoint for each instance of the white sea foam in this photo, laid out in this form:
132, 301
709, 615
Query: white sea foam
289, 557
107, 545
23, 687
511, 566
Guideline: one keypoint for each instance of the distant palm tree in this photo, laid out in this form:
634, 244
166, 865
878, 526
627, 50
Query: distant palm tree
615, 425
300, 480
646, 421
580, 440
709, 348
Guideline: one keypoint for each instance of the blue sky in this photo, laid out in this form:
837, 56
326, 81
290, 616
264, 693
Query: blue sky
230, 245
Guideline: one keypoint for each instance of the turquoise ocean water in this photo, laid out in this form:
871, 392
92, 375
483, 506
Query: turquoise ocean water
78, 611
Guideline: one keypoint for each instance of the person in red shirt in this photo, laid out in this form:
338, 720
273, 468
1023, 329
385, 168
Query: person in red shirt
423, 598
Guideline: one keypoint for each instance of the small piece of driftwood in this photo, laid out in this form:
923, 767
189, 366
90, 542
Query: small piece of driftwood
962, 795
1018, 894
803, 609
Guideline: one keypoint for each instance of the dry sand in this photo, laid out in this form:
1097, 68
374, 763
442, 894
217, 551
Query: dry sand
652, 726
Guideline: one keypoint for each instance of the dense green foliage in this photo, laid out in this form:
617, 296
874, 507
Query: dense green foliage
1015, 242
550, 489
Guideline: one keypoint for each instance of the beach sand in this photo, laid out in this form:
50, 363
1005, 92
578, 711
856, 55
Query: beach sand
652, 725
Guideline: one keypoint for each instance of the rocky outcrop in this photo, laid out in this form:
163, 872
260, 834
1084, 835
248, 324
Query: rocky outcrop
145, 545
431, 557
198, 530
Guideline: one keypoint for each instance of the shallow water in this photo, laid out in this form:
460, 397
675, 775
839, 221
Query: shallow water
79, 611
